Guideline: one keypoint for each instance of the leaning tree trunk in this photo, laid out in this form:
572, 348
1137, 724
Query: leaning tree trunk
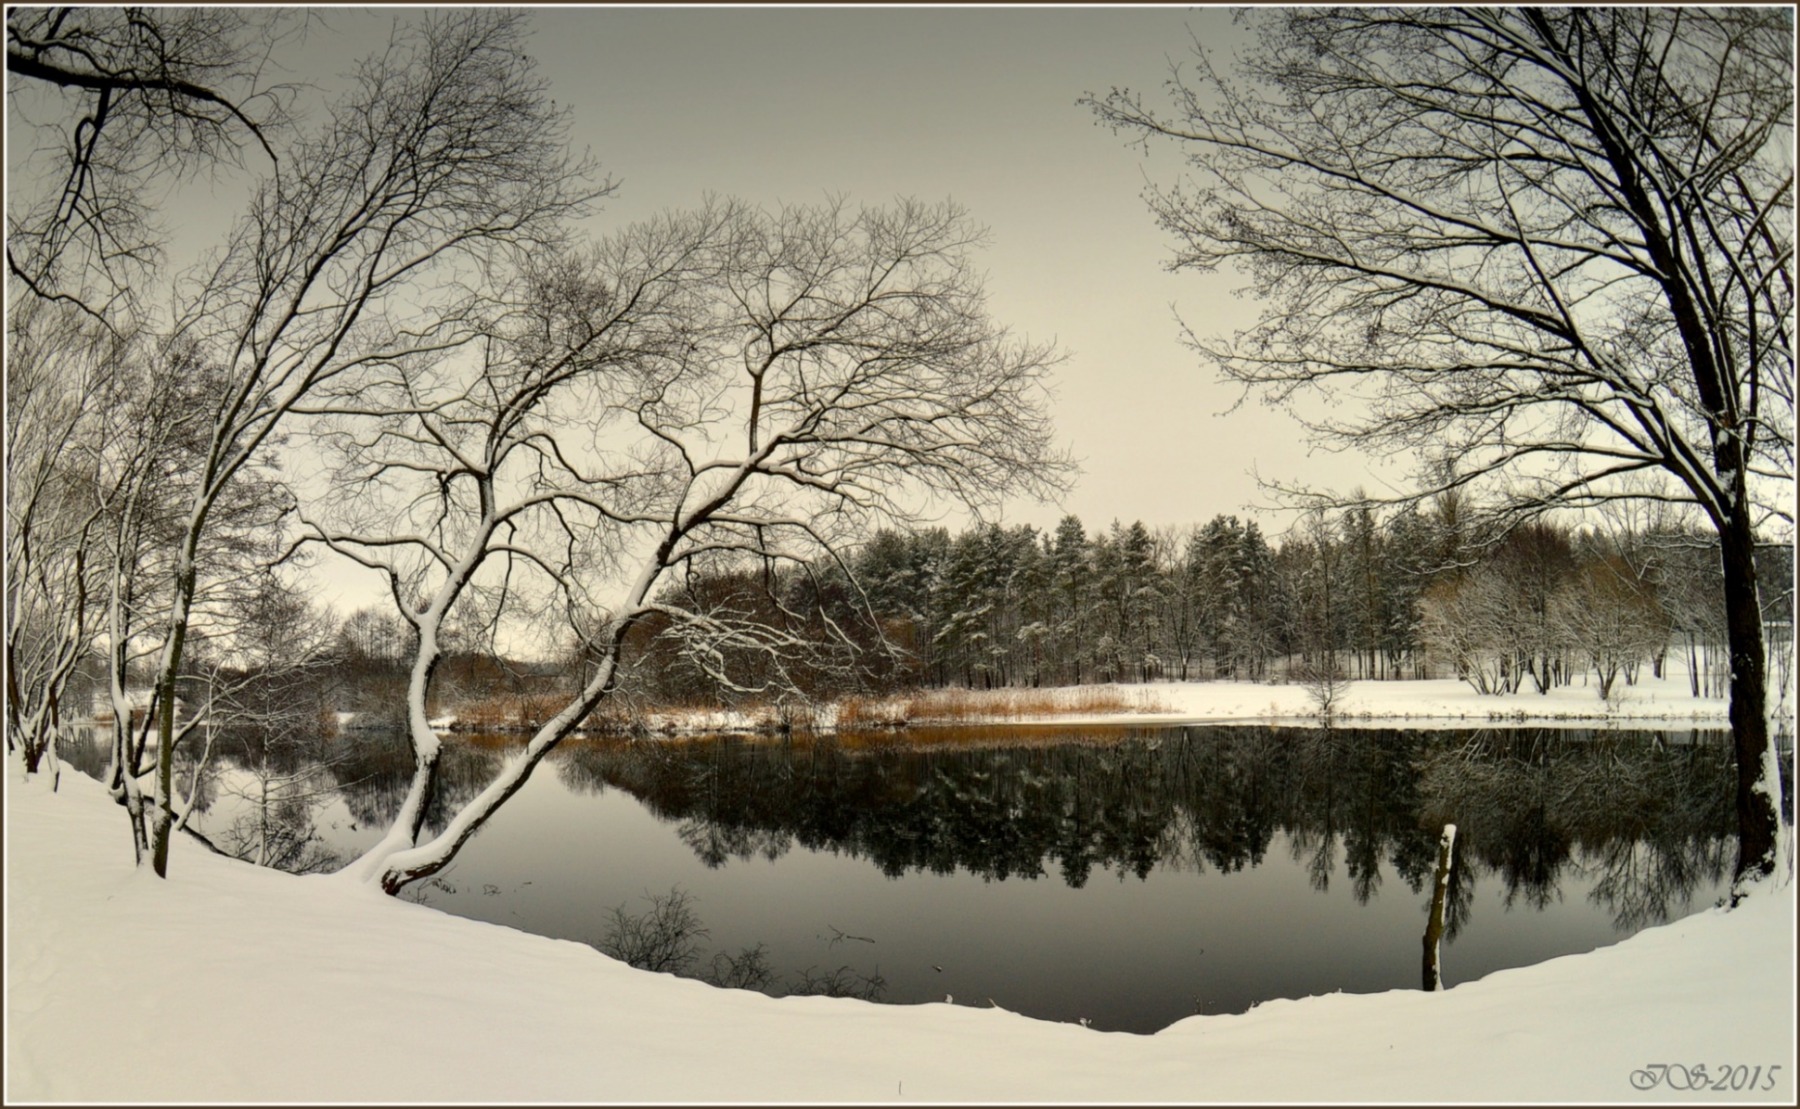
427, 750
162, 815
394, 870
1758, 774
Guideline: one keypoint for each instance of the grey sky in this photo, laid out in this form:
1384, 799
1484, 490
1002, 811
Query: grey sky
977, 105
776, 105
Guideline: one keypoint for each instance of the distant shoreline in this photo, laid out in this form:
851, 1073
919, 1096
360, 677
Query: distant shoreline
1412, 703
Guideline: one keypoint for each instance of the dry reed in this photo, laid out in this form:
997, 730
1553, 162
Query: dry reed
993, 704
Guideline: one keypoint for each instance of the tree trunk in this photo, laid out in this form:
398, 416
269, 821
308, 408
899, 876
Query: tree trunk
122, 782
1757, 813
1693, 657
50, 752
425, 744
162, 817
1431, 976
395, 870
12, 701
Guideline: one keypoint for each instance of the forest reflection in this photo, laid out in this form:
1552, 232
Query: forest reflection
1645, 815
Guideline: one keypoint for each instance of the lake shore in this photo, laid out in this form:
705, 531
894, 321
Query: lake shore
233, 983
1437, 702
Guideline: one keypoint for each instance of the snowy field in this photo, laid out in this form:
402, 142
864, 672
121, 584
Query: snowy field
1666, 699
1443, 702
235, 984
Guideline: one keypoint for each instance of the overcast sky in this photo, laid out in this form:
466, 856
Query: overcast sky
979, 106
974, 105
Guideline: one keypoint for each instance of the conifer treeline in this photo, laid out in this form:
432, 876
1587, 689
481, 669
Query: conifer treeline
1371, 596
1408, 594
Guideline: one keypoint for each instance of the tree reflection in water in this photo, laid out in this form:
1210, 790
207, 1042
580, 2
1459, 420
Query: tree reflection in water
1637, 823
373, 770
1646, 814
1649, 818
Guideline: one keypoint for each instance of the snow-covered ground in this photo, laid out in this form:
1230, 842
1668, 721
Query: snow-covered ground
1447, 702
231, 983
1652, 699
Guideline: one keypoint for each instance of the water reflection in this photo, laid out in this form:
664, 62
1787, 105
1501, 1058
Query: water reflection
373, 770
1248, 863
1644, 814
1650, 818
666, 938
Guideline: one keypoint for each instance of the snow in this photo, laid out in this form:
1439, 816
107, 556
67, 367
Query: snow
1442, 700
1446, 702
231, 983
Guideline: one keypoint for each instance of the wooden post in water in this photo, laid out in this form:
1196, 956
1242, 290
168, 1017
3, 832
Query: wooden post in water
1434, 926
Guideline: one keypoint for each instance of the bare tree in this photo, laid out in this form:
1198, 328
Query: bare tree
121, 100
462, 463
56, 361
665, 939
1554, 244
99, 439
144, 470
1467, 618
726, 387
269, 677
1607, 614
276, 828
358, 250
1326, 683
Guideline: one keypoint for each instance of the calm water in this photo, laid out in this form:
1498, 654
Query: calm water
1125, 878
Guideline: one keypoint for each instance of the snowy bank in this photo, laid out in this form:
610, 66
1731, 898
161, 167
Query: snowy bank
230, 983
1446, 700
1442, 702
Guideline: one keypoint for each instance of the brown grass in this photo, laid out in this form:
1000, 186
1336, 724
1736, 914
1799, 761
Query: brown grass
988, 734
864, 712
526, 711
993, 704
854, 713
